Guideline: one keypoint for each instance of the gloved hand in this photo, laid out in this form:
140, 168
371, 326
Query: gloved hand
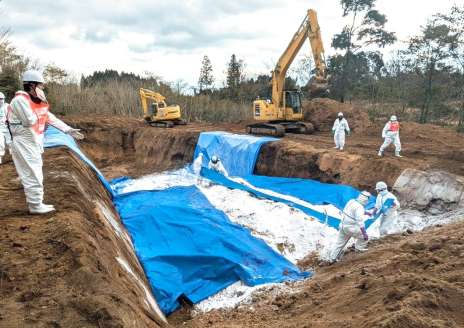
333, 132
348, 133
364, 234
75, 133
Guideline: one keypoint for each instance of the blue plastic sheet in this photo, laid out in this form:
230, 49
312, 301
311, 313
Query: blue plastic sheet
189, 248
238, 153
57, 138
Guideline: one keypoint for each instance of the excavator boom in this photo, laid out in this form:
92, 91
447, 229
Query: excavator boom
309, 29
284, 111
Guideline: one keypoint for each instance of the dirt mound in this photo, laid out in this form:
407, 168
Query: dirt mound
403, 281
322, 112
124, 146
75, 267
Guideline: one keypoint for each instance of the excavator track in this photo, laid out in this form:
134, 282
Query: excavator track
279, 128
266, 129
162, 124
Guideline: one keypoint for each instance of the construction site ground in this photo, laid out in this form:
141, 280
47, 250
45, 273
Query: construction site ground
60, 270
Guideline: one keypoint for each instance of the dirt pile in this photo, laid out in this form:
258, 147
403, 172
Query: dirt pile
73, 268
322, 112
413, 281
123, 146
434, 192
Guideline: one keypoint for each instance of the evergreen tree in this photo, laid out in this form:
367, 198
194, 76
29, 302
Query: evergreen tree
235, 76
206, 80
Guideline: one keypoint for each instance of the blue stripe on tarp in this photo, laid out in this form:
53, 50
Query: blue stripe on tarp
237, 152
187, 247
57, 138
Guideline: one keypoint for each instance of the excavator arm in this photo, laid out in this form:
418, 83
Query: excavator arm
309, 29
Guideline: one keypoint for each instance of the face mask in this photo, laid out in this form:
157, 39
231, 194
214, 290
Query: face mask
340, 118
40, 94
383, 192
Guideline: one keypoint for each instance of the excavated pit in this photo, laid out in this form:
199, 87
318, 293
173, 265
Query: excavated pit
75, 269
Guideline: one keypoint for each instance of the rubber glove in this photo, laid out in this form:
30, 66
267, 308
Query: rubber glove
333, 132
348, 133
364, 234
76, 134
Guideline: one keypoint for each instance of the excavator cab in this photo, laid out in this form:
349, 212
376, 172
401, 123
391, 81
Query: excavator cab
293, 101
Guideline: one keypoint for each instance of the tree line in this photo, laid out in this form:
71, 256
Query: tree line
423, 80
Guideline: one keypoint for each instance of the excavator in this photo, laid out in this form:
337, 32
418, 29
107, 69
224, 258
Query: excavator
283, 113
157, 113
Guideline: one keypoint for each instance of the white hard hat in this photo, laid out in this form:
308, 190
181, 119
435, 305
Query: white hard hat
33, 76
214, 159
393, 118
2, 96
340, 114
380, 186
363, 197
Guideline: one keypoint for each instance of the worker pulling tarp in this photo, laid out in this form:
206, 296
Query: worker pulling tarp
57, 138
188, 248
238, 153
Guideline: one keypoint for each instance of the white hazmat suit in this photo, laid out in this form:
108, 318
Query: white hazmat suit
352, 226
391, 134
389, 216
27, 145
339, 129
4, 133
218, 167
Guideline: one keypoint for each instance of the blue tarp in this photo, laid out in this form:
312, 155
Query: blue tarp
238, 153
56, 138
189, 248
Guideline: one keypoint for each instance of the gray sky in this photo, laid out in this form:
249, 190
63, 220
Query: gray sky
170, 37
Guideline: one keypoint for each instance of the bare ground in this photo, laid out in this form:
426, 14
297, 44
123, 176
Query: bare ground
60, 270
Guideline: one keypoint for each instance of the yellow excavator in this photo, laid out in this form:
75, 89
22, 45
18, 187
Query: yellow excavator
283, 113
157, 113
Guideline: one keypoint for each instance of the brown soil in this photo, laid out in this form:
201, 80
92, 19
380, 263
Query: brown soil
122, 146
404, 281
60, 270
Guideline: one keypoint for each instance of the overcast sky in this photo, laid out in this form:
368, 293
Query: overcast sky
170, 37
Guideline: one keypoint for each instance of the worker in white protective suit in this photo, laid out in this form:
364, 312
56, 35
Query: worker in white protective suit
391, 134
4, 140
27, 117
388, 205
216, 165
339, 129
352, 226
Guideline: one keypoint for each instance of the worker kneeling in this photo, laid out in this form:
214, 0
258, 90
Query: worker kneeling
352, 226
27, 117
216, 165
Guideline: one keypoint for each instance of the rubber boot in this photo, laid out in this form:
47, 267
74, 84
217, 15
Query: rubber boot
380, 154
397, 154
40, 208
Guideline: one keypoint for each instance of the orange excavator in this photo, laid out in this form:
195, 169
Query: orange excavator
283, 113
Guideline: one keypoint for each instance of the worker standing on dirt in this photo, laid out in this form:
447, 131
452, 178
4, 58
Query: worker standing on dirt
216, 165
386, 205
391, 134
27, 117
3, 129
352, 226
339, 129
